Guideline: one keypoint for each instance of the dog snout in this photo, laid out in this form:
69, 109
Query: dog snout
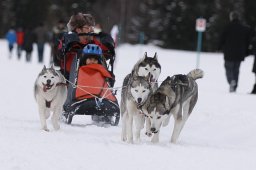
153, 129
48, 81
139, 100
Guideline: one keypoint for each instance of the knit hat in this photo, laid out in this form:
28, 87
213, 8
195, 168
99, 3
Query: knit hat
79, 20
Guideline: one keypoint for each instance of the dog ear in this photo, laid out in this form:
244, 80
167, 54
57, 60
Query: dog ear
134, 74
155, 56
52, 66
145, 55
44, 68
169, 80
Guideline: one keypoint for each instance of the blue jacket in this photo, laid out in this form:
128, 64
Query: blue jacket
11, 36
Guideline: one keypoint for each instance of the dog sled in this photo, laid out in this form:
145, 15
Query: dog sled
90, 89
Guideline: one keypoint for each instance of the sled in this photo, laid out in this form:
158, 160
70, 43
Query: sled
90, 91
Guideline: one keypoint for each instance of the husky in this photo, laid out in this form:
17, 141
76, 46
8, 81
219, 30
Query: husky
134, 94
176, 96
50, 92
145, 66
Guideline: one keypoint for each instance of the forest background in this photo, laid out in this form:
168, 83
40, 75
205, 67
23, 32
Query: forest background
165, 23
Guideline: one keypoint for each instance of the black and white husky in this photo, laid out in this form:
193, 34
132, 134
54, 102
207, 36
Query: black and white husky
134, 95
147, 65
137, 87
176, 96
50, 93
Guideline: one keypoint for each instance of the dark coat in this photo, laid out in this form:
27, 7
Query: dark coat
254, 65
29, 39
235, 41
253, 43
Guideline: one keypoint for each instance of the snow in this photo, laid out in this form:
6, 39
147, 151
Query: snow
219, 135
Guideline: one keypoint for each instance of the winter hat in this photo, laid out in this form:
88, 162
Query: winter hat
79, 20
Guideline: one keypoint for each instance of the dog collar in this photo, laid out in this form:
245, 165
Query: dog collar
139, 107
61, 84
48, 103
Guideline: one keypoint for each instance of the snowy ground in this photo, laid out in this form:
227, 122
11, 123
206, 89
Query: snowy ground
219, 135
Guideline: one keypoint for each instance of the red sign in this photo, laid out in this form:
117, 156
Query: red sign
200, 24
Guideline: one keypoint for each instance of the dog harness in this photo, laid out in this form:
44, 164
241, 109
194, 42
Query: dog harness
61, 84
48, 103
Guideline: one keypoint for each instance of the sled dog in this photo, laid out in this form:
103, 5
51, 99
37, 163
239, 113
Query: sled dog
134, 95
50, 93
176, 96
145, 66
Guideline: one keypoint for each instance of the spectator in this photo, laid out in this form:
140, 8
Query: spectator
41, 38
254, 64
20, 41
29, 39
234, 43
11, 38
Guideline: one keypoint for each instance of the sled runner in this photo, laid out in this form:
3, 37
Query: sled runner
90, 89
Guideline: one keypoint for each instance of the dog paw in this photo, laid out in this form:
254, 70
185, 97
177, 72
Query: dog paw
56, 127
138, 140
46, 129
123, 138
154, 141
149, 134
130, 141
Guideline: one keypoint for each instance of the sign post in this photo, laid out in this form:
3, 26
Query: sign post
200, 28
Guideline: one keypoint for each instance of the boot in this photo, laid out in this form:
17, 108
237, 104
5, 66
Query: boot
232, 86
254, 89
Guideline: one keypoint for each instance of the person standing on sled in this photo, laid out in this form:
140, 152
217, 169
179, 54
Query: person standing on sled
81, 33
81, 28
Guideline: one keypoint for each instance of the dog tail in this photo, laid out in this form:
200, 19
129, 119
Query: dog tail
196, 74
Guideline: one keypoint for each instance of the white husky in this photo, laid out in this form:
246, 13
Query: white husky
50, 93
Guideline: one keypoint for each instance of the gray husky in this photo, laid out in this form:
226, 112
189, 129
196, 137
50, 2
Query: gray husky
134, 95
50, 93
149, 68
176, 96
